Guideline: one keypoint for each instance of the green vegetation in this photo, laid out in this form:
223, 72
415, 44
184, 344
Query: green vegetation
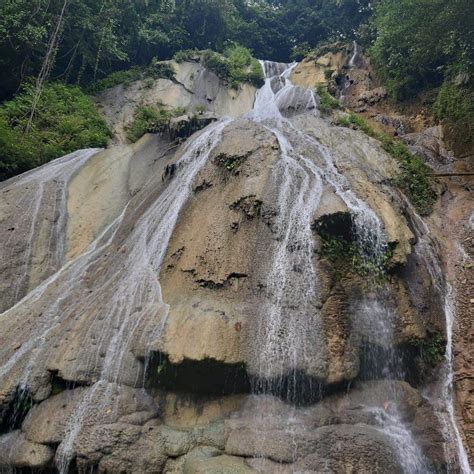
187, 55
235, 66
155, 70
416, 46
421, 46
116, 78
100, 38
339, 246
414, 178
455, 108
151, 119
328, 102
431, 349
230, 163
66, 120
148, 119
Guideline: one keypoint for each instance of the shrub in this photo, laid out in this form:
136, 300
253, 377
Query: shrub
217, 63
66, 120
160, 70
186, 55
328, 102
116, 78
235, 66
156, 70
414, 178
454, 107
151, 119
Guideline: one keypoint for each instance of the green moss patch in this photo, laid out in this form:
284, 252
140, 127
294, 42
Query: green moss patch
414, 178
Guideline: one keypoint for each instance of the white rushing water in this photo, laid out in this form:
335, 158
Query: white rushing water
45, 187
290, 313
125, 307
443, 396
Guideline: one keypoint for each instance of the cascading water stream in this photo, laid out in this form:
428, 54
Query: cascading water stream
291, 313
126, 312
49, 185
443, 400
352, 63
125, 308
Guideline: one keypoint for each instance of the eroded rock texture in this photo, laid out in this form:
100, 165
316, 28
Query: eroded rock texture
266, 306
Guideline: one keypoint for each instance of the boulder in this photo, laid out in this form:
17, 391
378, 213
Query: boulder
17, 452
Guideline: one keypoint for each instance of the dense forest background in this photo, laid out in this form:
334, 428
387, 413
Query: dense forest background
65, 46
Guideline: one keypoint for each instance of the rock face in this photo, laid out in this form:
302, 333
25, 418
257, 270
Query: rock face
258, 298
194, 88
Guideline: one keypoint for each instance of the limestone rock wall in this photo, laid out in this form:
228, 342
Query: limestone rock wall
118, 354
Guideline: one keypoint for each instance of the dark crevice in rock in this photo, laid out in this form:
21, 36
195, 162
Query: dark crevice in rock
58, 384
13, 416
338, 225
209, 377
250, 206
31, 470
413, 362
203, 186
219, 285
231, 163
297, 388
216, 285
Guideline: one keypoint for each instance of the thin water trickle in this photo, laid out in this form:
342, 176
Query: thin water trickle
45, 187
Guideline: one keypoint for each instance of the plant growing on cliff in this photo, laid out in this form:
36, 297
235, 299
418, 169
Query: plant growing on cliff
230, 163
235, 66
431, 349
413, 179
151, 119
66, 120
327, 102
339, 246
148, 119
454, 107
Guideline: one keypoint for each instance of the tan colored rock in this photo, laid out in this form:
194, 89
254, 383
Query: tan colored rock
99, 192
17, 452
205, 281
181, 412
193, 87
310, 72
217, 465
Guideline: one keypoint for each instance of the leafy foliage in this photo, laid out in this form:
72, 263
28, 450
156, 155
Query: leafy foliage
327, 102
417, 43
156, 70
235, 66
102, 37
116, 78
454, 106
343, 251
151, 119
66, 120
431, 349
414, 178
420, 45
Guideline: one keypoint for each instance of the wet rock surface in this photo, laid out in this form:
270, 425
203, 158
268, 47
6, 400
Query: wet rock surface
145, 345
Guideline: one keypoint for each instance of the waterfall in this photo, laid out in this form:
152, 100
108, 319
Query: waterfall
352, 63
45, 188
126, 310
291, 312
355, 53
443, 398
121, 315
